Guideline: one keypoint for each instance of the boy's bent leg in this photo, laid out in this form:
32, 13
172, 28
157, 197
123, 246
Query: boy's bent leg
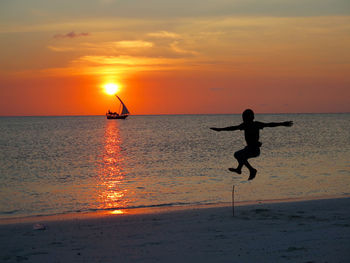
239, 155
242, 157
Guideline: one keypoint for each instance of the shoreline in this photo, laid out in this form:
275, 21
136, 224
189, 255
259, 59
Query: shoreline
152, 210
301, 231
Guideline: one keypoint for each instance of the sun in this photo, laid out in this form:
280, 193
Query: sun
111, 88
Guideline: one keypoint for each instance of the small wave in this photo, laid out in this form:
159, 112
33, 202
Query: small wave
138, 207
22, 214
19, 214
9, 212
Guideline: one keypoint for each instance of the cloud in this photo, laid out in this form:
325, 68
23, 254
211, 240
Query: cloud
71, 34
60, 49
125, 47
117, 65
126, 60
175, 47
133, 44
164, 34
112, 46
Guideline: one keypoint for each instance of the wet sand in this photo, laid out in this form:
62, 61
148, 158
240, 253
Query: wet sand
303, 231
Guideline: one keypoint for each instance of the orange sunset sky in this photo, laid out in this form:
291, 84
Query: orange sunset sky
174, 57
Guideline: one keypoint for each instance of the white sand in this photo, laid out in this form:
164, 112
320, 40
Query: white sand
309, 231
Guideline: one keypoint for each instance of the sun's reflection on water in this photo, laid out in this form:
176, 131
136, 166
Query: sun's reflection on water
117, 212
112, 194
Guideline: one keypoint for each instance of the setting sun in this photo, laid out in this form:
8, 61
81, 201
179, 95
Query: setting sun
111, 88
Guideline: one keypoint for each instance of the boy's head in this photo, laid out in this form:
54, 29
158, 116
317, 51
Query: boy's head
248, 115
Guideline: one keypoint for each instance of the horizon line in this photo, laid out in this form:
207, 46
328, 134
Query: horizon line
174, 114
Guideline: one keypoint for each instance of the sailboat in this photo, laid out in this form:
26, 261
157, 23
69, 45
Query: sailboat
121, 115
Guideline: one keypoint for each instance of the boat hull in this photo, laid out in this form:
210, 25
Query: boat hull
115, 117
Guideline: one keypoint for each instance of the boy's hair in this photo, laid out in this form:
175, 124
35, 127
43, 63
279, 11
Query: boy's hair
248, 115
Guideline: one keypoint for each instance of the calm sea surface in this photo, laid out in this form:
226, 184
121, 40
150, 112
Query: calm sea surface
51, 165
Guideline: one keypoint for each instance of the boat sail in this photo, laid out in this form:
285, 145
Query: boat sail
123, 113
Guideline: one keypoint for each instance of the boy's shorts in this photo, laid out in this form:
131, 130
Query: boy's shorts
247, 152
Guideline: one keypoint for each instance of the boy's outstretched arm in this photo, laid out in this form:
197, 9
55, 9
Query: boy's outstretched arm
230, 128
276, 124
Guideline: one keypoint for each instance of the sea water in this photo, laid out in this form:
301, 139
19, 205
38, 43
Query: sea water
53, 165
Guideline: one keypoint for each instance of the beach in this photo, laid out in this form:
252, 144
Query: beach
302, 231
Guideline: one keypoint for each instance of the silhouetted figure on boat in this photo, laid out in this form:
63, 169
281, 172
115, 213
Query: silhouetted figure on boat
251, 134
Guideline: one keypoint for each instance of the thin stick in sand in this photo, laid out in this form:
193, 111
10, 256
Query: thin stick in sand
233, 200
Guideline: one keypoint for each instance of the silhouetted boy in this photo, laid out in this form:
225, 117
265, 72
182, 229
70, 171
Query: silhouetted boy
251, 134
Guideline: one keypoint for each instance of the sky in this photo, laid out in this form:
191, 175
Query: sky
174, 57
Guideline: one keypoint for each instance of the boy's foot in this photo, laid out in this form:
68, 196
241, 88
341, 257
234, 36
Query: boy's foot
252, 174
235, 170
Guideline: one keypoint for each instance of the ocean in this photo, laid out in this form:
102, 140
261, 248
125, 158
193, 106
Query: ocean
61, 165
